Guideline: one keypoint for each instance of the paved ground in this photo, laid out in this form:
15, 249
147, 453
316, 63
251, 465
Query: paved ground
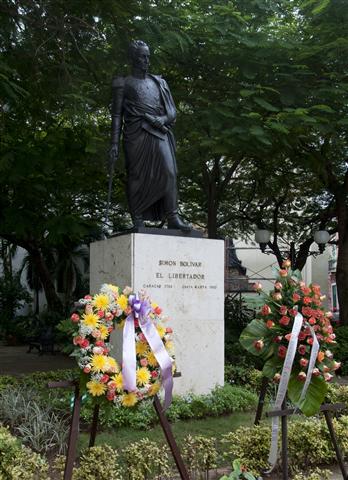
16, 361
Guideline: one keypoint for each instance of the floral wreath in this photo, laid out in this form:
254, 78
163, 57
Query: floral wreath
269, 336
148, 350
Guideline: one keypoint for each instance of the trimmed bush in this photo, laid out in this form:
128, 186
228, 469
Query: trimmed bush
17, 461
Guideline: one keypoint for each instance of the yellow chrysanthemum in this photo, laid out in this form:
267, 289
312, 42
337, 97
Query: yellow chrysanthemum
95, 388
118, 379
99, 363
101, 301
154, 305
112, 365
104, 332
141, 348
129, 399
170, 347
150, 357
143, 376
114, 288
161, 330
122, 302
154, 388
90, 320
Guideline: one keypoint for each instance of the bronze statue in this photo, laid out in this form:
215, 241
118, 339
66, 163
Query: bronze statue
143, 109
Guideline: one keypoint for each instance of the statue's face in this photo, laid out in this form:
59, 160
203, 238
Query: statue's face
141, 58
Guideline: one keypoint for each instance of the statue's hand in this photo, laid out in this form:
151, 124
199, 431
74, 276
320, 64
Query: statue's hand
157, 121
113, 156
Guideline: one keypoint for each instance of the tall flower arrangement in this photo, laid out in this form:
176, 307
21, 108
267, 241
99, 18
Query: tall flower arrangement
101, 376
269, 334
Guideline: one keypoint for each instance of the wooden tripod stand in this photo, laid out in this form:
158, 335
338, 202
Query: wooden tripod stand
327, 409
74, 430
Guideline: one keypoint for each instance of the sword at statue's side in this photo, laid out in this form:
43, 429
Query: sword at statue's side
113, 155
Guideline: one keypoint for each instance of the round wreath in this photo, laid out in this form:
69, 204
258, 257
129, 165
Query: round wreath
101, 375
268, 336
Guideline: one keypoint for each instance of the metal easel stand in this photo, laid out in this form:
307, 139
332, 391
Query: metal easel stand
326, 409
74, 430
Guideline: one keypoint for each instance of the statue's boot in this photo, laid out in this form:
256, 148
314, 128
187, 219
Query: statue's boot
174, 221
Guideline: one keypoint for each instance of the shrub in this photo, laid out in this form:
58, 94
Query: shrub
250, 445
337, 393
316, 474
200, 454
146, 460
38, 425
239, 473
100, 463
17, 461
248, 377
340, 349
309, 444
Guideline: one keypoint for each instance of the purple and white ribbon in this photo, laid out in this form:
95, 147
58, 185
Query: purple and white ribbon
140, 311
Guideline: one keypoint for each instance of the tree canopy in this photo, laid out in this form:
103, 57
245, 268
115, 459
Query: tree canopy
261, 93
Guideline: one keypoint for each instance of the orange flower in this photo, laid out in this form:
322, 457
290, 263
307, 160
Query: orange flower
321, 356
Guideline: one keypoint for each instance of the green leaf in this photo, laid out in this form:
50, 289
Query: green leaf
256, 330
314, 397
323, 108
246, 93
264, 104
271, 367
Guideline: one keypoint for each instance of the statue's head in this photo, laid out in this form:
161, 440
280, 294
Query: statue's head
139, 54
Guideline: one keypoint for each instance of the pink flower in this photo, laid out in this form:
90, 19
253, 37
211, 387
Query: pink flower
302, 377
269, 324
307, 300
100, 313
278, 285
277, 296
282, 351
328, 377
77, 340
158, 310
302, 349
258, 344
111, 395
87, 297
98, 350
293, 312
305, 290
99, 343
284, 321
316, 372
301, 336
337, 365
87, 369
286, 263
310, 341
288, 337
84, 343
283, 273
329, 354
75, 317
169, 330
105, 378
312, 321
143, 362
277, 339
295, 297
95, 334
154, 374
303, 362
283, 310
265, 310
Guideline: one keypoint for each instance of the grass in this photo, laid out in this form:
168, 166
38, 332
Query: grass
209, 427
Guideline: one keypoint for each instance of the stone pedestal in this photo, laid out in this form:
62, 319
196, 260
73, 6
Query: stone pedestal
185, 276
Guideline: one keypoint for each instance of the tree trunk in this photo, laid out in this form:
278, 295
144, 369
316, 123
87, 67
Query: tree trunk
53, 301
342, 259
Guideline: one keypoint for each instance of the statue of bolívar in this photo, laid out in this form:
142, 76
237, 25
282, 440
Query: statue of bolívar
143, 109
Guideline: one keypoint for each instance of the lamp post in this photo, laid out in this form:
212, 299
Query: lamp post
263, 236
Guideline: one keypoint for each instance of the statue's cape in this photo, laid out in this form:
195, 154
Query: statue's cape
150, 156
